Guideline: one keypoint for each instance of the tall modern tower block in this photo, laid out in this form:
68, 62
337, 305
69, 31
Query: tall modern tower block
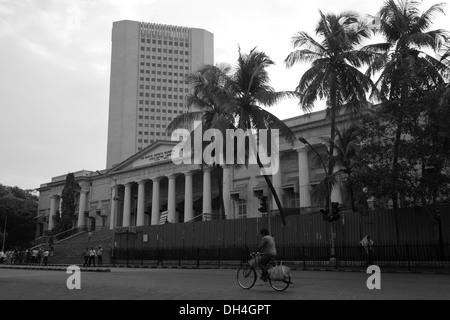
148, 88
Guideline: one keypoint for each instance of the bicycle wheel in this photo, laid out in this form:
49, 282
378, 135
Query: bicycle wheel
246, 276
280, 285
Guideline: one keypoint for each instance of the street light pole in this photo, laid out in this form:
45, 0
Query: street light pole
115, 200
330, 207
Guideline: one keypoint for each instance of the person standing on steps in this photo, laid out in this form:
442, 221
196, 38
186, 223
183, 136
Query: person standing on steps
92, 254
100, 255
85, 255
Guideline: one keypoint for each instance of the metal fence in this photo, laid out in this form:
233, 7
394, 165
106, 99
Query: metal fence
408, 256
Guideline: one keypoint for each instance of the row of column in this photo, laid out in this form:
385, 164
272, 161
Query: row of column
171, 199
53, 204
304, 195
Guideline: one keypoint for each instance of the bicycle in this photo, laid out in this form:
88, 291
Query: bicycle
247, 274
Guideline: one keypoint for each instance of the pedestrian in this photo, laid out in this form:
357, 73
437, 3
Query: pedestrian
34, 255
367, 244
28, 256
92, 254
45, 254
90, 234
85, 255
39, 257
100, 255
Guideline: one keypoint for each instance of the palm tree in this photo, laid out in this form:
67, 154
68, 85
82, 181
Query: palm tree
346, 144
346, 147
401, 59
208, 104
335, 62
250, 91
235, 101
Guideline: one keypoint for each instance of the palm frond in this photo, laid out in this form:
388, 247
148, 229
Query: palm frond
184, 121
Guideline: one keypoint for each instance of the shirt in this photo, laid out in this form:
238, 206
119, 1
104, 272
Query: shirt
267, 246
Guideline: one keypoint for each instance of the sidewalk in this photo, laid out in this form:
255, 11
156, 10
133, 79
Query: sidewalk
51, 267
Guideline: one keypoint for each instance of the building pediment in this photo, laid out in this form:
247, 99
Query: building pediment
157, 152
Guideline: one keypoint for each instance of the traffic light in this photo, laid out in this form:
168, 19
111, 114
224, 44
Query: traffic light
324, 213
263, 202
335, 211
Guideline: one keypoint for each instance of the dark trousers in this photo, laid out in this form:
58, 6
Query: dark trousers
99, 260
262, 263
86, 261
91, 260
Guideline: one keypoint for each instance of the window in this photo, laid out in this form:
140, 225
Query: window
240, 208
291, 198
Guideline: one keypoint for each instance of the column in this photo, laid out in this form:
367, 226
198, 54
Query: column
112, 216
60, 205
171, 200
188, 194
303, 178
141, 203
226, 193
155, 201
81, 208
52, 212
277, 185
207, 190
127, 206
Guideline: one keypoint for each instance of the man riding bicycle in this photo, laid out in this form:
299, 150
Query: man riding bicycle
267, 251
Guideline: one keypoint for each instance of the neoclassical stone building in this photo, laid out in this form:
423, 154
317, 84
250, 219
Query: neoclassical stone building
148, 188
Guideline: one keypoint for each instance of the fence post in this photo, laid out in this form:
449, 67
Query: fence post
408, 257
304, 257
198, 257
218, 262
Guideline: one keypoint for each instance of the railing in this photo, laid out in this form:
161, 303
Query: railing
407, 256
204, 217
68, 233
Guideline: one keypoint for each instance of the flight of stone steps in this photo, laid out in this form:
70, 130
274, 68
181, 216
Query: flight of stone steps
69, 251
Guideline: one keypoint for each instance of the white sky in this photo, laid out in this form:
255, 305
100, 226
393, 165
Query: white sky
55, 67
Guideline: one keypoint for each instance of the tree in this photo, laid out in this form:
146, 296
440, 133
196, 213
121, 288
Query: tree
68, 207
347, 140
234, 99
250, 91
335, 62
208, 104
398, 63
21, 208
